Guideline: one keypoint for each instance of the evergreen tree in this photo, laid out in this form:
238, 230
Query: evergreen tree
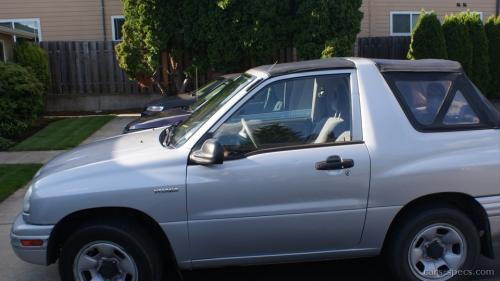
479, 72
492, 28
427, 39
458, 41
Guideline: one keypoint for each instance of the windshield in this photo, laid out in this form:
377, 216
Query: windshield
188, 127
203, 99
207, 87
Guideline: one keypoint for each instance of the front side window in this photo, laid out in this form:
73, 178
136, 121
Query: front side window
439, 101
294, 112
203, 112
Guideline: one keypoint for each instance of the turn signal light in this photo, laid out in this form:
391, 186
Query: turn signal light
32, 243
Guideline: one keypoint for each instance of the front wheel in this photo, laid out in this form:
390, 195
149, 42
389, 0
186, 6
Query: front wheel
109, 250
438, 244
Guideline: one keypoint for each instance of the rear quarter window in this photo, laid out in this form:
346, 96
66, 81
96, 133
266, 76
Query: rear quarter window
440, 101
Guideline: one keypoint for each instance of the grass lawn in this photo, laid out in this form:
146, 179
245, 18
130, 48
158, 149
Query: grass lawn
15, 176
63, 134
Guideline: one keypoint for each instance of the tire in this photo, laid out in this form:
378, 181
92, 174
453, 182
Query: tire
118, 246
414, 251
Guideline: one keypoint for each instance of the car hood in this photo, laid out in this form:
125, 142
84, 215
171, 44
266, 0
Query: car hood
174, 101
168, 117
111, 149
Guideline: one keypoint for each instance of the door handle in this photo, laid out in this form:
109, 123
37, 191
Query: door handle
334, 163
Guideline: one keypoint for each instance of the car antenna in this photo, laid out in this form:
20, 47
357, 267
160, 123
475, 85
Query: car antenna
272, 66
196, 82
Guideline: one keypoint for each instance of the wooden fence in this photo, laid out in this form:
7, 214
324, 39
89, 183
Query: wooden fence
87, 67
392, 47
90, 67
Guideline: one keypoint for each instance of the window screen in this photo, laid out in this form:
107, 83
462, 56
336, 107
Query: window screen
403, 23
424, 98
460, 111
2, 51
117, 28
440, 101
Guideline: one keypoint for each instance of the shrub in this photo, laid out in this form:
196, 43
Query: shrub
5, 143
458, 41
317, 23
20, 99
492, 28
427, 39
479, 72
34, 59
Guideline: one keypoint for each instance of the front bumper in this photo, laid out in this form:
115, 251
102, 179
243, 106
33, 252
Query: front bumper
491, 205
24, 231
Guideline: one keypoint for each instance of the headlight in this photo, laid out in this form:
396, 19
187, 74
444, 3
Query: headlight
27, 197
155, 108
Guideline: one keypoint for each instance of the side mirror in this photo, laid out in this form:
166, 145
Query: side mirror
211, 152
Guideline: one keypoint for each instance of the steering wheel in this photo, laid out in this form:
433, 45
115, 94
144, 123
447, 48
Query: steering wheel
248, 132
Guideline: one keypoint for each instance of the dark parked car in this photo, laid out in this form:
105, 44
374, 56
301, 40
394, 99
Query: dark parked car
183, 100
176, 115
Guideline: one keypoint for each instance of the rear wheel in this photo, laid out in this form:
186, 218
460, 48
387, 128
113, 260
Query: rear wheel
109, 250
436, 244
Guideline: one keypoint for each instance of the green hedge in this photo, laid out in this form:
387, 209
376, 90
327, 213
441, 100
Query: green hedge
427, 39
492, 28
21, 99
458, 41
33, 58
479, 72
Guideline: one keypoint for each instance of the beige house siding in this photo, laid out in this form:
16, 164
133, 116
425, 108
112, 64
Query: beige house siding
81, 20
376, 21
62, 20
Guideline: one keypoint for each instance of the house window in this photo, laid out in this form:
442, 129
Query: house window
402, 23
117, 27
24, 28
2, 51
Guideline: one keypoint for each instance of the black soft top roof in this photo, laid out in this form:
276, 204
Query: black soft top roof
303, 66
425, 65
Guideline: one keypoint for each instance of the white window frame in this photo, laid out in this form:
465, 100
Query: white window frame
37, 20
481, 14
410, 13
113, 27
2, 42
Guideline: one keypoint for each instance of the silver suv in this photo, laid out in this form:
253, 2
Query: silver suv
324, 159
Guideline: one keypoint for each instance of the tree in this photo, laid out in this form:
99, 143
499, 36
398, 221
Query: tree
151, 26
492, 28
427, 39
326, 24
479, 72
35, 59
21, 99
458, 41
231, 35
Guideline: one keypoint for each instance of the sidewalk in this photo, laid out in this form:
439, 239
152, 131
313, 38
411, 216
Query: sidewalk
26, 157
113, 128
12, 268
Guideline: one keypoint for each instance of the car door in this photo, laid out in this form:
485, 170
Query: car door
295, 177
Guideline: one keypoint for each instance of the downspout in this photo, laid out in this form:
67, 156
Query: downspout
103, 20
